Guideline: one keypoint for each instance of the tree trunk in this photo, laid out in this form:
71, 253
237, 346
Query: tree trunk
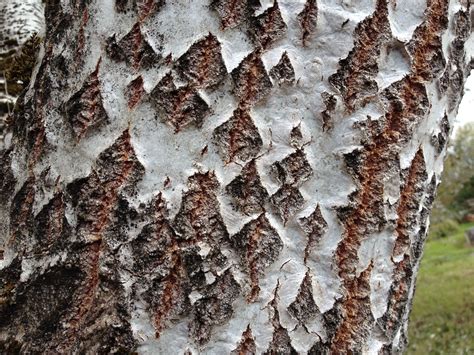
232, 177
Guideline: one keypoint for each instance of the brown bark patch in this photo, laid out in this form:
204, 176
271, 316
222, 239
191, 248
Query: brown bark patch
147, 8
439, 140
283, 72
51, 224
426, 45
135, 92
452, 81
296, 137
357, 316
144, 8
115, 167
97, 197
293, 170
202, 64
308, 19
171, 295
21, 216
53, 291
133, 48
267, 28
81, 40
7, 179
304, 307
246, 345
397, 298
314, 227
258, 245
281, 341
409, 203
199, 216
330, 103
180, 107
355, 79
287, 200
249, 196
234, 12
238, 138
85, 109
215, 308
251, 81
153, 247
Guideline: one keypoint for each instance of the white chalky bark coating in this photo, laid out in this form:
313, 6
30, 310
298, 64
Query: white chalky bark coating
307, 260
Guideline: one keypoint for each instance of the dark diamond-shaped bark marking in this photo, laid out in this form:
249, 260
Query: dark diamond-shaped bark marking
330, 102
249, 196
353, 309
234, 12
258, 245
51, 223
296, 137
238, 137
168, 295
304, 308
133, 49
439, 141
281, 341
251, 81
151, 247
115, 168
283, 72
36, 305
355, 78
85, 109
314, 226
215, 307
246, 345
287, 200
268, 27
145, 8
202, 64
199, 217
122, 5
294, 169
135, 92
21, 211
179, 106
308, 19
398, 297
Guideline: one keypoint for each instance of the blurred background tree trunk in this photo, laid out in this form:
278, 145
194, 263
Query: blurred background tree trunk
226, 177
20, 21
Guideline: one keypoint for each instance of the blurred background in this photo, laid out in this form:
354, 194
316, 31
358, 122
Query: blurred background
442, 318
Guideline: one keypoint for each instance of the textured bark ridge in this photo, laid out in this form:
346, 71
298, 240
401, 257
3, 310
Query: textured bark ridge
226, 177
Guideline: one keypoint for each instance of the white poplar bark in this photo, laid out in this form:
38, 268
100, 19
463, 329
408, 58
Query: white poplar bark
225, 177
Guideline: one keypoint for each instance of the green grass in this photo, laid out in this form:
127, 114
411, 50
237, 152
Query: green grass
442, 319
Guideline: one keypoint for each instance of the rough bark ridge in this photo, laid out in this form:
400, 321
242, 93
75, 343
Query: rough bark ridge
254, 178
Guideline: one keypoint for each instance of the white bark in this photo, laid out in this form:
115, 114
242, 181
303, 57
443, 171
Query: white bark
216, 179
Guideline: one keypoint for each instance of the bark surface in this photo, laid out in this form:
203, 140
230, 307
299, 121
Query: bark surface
226, 177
